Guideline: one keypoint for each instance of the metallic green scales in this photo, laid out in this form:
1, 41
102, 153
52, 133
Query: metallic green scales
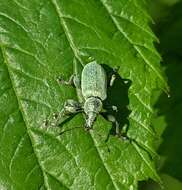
94, 81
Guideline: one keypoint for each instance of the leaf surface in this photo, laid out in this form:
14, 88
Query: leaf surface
39, 41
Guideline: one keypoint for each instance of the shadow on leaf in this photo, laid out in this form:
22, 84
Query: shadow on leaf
117, 95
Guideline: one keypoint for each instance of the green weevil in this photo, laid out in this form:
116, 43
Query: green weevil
91, 89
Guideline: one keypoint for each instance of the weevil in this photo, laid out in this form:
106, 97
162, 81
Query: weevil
91, 89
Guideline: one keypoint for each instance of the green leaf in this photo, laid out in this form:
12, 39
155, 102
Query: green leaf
39, 41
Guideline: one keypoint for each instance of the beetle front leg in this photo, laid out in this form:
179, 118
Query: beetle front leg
70, 108
70, 82
74, 81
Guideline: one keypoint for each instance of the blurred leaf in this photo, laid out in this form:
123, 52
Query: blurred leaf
169, 183
169, 2
170, 109
159, 9
170, 33
38, 42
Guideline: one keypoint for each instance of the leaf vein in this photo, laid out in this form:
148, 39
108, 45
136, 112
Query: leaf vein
14, 21
143, 125
19, 102
53, 176
104, 164
143, 103
30, 173
15, 152
66, 30
82, 23
27, 53
146, 162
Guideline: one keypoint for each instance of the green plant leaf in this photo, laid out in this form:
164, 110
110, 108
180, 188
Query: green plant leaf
39, 41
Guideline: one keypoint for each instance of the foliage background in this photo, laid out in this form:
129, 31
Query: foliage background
168, 18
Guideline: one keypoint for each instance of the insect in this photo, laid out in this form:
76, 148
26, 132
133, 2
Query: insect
91, 89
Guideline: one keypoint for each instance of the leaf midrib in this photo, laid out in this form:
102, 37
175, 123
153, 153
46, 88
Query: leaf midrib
75, 51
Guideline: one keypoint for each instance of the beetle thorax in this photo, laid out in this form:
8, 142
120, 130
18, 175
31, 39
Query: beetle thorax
92, 104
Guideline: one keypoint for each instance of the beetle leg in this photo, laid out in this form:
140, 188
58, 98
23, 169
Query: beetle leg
70, 108
110, 107
69, 82
121, 134
114, 108
73, 81
113, 77
124, 131
76, 81
112, 119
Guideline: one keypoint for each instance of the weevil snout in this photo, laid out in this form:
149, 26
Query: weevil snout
92, 107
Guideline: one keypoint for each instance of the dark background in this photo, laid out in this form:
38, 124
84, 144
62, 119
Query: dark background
167, 15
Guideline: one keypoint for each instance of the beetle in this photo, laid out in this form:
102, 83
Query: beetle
91, 89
